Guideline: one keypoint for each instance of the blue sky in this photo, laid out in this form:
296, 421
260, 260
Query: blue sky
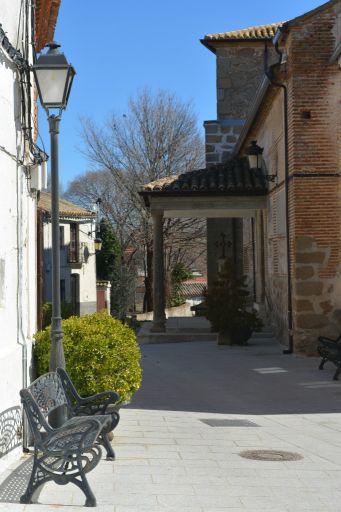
119, 47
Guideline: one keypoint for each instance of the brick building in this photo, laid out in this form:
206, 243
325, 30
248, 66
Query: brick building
296, 119
278, 85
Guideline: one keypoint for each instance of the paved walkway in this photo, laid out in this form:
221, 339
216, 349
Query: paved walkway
171, 456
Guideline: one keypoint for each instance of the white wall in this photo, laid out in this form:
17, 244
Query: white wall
18, 235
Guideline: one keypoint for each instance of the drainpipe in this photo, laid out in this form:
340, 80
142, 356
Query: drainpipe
275, 42
21, 338
253, 258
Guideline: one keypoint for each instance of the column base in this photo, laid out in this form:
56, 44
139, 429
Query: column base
158, 327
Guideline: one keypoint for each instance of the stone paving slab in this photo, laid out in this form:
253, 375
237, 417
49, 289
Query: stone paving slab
168, 460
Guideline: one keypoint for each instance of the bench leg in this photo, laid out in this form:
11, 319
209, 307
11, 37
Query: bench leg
338, 370
37, 479
107, 445
322, 363
83, 484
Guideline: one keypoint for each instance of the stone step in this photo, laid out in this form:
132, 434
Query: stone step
175, 337
266, 332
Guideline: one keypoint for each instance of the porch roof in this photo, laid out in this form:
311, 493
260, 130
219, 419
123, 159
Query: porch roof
232, 178
231, 189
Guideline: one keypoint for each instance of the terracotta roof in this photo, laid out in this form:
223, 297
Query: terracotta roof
232, 178
45, 21
66, 209
260, 32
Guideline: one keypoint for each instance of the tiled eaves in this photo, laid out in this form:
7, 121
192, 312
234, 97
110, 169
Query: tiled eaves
46, 14
252, 35
232, 178
67, 210
261, 32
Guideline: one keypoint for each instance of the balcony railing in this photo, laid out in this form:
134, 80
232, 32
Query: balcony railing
78, 253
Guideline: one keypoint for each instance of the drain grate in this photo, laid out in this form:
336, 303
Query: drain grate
228, 423
271, 455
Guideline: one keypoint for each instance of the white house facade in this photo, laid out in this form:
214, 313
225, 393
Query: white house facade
77, 255
20, 171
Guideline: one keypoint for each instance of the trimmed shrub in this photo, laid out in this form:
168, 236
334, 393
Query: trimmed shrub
100, 353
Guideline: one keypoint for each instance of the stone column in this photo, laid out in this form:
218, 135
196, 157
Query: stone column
159, 317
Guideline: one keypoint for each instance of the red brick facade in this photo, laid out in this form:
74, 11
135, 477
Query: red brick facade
314, 152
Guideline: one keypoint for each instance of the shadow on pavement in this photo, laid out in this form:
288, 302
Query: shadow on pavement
256, 379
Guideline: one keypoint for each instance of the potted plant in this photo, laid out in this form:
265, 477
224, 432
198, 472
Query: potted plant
227, 307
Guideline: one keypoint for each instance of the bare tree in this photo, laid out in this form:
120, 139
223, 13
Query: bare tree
157, 137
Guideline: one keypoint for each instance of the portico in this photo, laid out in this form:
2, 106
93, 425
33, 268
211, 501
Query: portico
229, 192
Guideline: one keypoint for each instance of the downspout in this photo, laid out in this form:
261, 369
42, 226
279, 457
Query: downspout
21, 338
253, 258
275, 42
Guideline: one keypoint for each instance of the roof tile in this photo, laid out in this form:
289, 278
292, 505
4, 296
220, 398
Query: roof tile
66, 209
260, 32
234, 177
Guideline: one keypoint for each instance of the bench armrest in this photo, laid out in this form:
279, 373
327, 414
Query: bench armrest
324, 339
75, 437
331, 345
96, 404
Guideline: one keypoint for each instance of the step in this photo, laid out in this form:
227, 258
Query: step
175, 337
264, 333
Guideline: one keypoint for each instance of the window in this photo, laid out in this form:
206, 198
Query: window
74, 238
61, 237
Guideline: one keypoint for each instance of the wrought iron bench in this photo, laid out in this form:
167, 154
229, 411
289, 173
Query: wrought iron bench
330, 350
67, 453
99, 404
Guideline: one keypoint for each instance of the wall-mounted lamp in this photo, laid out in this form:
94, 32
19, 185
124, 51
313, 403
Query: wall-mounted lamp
98, 241
254, 154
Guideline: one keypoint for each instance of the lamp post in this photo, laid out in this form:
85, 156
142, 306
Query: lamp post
53, 76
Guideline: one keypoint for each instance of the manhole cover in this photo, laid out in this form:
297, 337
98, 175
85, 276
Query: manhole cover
228, 423
272, 455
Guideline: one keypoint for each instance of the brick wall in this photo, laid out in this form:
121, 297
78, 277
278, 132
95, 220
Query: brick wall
314, 87
314, 115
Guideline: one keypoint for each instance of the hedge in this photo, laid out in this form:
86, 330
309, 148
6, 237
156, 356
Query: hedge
100, 354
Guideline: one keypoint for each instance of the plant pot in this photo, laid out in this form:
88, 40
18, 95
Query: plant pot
234, 337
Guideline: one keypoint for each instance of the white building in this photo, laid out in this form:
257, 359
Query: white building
77, 255
19, 157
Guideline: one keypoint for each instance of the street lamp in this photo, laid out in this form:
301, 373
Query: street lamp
53, 76
254, 154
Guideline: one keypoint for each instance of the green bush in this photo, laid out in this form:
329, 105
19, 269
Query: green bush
100, 353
